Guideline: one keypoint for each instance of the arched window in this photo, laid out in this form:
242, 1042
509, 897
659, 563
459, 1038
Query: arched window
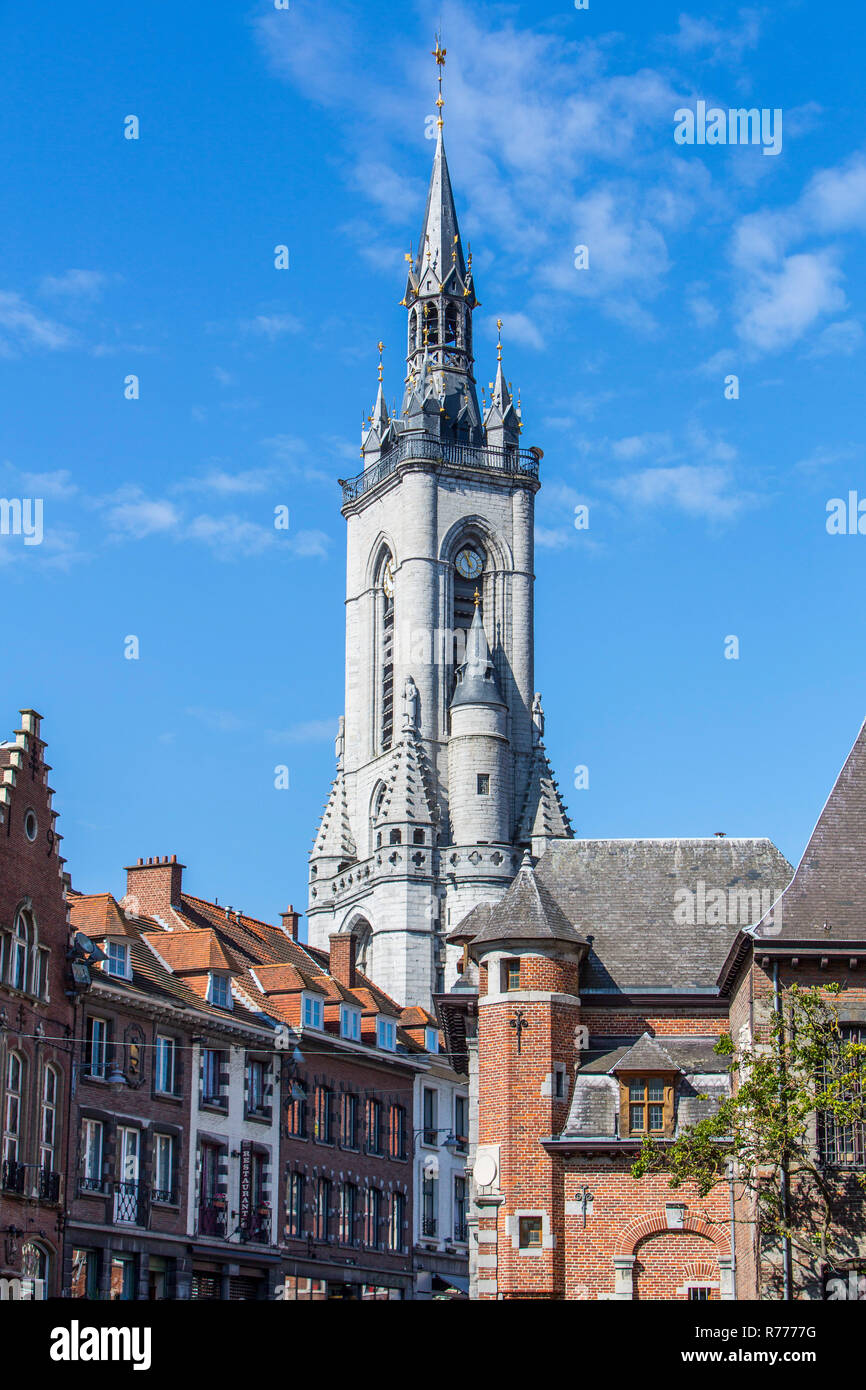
48, 1126
468, 577
451, 325
363, 934
413, 330
34, 1261
431, 323
375, 807
21, 942
12, 1110
385, 608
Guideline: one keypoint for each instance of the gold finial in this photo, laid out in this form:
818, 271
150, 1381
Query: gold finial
381, 350
499, 344
477, 598
439, 54
426, 324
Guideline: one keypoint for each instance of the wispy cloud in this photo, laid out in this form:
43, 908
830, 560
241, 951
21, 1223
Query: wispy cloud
271, 326
74, 284
24, 329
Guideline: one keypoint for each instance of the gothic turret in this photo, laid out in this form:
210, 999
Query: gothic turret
479, 780
501, 421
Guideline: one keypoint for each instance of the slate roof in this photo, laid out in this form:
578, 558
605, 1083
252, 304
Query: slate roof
528, 911
646, 1055
824, 901
621, 896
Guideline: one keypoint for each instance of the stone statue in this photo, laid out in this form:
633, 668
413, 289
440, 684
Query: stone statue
411, 701
537, 718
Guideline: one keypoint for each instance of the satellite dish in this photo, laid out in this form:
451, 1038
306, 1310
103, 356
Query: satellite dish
485, 1170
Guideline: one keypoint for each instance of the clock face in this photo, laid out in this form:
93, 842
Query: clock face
469, 563
388, 579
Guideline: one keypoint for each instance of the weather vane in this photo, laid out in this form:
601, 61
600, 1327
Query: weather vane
499, 344
439, 54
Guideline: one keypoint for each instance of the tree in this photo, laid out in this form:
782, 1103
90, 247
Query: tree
793, 1129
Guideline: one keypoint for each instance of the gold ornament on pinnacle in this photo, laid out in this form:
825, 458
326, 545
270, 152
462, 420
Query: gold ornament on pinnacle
439, 54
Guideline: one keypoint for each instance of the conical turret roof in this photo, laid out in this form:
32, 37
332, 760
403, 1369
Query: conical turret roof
476, 677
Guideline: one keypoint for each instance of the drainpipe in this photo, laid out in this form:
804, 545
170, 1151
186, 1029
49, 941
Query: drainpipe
733, 1231
786, 1244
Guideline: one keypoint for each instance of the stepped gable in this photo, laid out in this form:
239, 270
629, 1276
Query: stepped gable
544, 812
623, 894
824, 900
334, 838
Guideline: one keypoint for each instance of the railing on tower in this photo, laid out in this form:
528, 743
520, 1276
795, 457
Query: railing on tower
426, 446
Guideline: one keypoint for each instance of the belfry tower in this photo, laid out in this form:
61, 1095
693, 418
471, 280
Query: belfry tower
442, 779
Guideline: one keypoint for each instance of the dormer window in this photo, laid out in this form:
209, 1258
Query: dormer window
386, 1034
350, 1023
220, 991
431, 1039
117, 959
313, 1011
647, 1105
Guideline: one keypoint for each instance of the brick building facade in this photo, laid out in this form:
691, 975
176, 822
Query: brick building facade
37, 1016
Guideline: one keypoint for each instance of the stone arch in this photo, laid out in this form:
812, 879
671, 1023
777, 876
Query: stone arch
358, 924
382, 547
497, 548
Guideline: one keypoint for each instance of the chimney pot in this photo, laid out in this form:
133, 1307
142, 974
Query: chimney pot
341, 958
289, 922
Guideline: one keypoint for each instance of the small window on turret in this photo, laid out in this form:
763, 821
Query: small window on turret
510, 974
482, 784
395, 838
417, 837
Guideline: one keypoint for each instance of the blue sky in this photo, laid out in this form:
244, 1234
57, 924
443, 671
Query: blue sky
306, 127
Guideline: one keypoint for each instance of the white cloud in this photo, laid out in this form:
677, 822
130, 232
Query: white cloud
781, 304
74, 284
312, 731
142, 517
22, 327
699, 490
725, 41
271, 326
839, 339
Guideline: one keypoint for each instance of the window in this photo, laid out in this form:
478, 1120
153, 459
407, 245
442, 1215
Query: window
127, 1204
482, 783
461, 1122
396, 1221
430, 1108
429, 1205
646, 1110
323, 1204
5, 954
211, 1076
166, 1054
374, 1126
91, 1180
220, 991
372, 1216
461, 1230
12, 1117
417, 837
431, 1039
699, 1292
31, 825
313, 1011
296, 1111
397, 1131
85, 1274
841, 1145
350, 1120
20, 952
350, 1023
295, 1205
385, 605
48, 1127
530, 1232
96, 1059
323, 1127
163, 1168
40, 985
117, 961
510, 975
386, 1034
255, 1087
348, 1212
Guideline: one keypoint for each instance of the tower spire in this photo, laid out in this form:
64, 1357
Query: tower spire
439, 54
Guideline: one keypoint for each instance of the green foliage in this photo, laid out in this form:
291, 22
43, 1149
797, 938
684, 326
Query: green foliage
765, 1131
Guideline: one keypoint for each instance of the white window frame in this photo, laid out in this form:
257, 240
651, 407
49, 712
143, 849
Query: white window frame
163, 1144
313, 1011
98, 1047
350, 1023
12, 1109
166, 1056
211, 990
93, 1132
111, 962
431, 1039
48, 1118
386, 1034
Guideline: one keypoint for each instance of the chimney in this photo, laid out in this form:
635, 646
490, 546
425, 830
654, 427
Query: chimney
289, 922
341, 961
155, 884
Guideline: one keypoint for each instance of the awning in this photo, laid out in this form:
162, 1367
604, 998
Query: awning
452, 1281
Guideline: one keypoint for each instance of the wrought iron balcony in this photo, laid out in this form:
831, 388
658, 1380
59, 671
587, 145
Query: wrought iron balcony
89, 1184
130, 1203
523, 462
429, 1225
48, 1185
166, 1195
257, 1228
14, 1177
461, 1231
212, 1218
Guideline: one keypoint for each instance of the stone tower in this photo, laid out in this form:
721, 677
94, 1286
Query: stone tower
442, 778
